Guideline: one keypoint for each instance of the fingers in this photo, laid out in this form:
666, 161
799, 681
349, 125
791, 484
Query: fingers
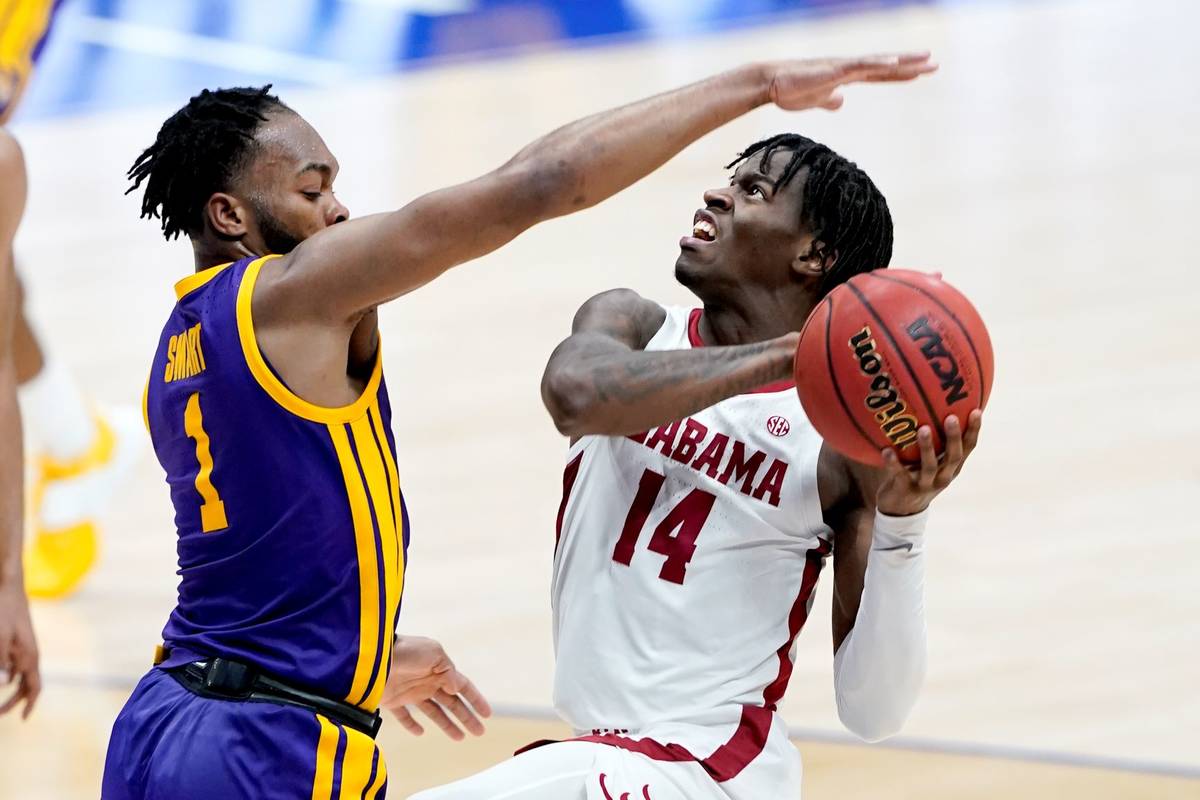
456, 706
892, 464
10, 703
971, 437
913, 58
474, 697
405, 718
887, 68
929, 460
439, 718
31, 688
954, 452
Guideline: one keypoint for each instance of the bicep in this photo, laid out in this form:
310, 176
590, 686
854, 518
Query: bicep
610, 325
616, 320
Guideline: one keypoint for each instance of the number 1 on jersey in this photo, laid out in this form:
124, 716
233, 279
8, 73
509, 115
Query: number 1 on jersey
212, 510
688, 516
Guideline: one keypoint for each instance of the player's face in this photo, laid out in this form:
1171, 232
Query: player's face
290, 185
747, 233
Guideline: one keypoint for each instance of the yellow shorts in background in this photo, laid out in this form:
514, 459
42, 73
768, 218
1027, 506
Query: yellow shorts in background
23, 28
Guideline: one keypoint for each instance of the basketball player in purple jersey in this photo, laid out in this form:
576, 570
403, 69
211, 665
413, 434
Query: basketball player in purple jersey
18, 650
268, 411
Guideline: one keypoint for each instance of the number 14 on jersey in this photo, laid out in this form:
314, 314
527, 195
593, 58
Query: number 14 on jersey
674, 537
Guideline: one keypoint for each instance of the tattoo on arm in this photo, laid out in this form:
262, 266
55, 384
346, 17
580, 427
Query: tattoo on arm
720, 372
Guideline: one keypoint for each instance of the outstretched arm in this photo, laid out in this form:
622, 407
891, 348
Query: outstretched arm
354, 266
600, 380
879, 581
18, 649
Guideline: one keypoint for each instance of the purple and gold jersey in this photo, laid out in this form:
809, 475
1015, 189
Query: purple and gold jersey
292, 527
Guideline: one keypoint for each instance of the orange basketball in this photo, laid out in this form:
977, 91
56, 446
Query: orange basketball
887, 352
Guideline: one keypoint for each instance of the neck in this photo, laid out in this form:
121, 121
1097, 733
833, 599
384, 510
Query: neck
209, 252
726, 323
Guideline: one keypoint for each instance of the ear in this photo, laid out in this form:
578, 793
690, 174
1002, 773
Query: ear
813, 260
227, 216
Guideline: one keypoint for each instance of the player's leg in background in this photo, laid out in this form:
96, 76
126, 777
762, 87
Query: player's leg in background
583, 771
551, 772
80, 453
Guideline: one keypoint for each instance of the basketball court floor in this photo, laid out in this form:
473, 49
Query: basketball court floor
1051, 171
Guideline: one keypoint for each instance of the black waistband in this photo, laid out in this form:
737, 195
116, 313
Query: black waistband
225, 679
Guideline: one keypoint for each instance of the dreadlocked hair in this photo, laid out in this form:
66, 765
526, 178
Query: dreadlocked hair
199, 151
842, 208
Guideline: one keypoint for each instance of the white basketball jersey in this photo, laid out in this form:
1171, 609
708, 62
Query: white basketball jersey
686, 561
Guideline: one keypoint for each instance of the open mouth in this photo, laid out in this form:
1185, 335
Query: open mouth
704, 227
705, 231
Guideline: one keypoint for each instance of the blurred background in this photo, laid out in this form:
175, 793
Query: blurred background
1050, 170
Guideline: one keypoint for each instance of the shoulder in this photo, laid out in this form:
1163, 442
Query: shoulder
622, 313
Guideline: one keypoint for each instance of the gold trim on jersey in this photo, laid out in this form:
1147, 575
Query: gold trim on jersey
146, 404
373, 492
270, 382
356, 764
368, 567
326, 754
194, 281
360, 758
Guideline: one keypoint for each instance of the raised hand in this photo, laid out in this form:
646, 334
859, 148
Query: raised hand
907, 491
814, 83
424, 676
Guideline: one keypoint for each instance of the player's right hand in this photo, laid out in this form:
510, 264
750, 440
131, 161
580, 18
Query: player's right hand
814, 83
424, 677
18, 651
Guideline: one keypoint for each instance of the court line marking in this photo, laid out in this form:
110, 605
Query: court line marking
918, 744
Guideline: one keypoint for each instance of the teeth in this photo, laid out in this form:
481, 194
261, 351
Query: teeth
704, 230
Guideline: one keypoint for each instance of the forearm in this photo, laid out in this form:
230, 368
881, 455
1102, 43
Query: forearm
12, 206
11, 461
381, 257
592, 389
598, 156
880, 666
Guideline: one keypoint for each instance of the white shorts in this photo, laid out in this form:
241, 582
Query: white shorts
583, 770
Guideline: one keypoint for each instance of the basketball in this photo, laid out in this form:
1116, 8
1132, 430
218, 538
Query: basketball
888, 352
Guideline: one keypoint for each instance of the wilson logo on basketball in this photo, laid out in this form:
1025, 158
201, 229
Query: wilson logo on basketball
778, 426
891, 412
939, 358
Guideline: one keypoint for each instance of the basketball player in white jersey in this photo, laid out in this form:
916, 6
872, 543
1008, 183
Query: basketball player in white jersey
700, 505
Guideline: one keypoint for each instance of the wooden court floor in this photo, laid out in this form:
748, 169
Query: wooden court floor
414, 763
1050, 171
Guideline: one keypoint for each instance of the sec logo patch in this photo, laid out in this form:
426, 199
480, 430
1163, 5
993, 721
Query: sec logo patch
778, 426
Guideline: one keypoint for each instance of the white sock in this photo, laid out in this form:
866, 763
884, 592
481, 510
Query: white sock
56, 413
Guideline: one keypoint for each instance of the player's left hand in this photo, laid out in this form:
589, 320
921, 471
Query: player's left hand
815, 82
906, 491
18, 651
423, 676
